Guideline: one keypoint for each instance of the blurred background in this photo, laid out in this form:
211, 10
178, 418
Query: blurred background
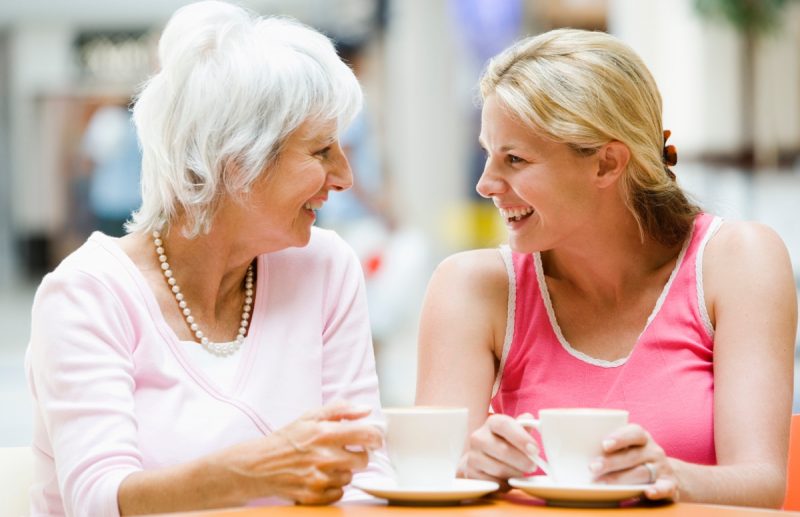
729, 72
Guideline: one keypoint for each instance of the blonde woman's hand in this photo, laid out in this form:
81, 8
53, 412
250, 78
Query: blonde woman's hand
631, 456
498, 450
309, 461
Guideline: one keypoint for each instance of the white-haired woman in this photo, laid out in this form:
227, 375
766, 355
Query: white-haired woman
220, 353
616, 290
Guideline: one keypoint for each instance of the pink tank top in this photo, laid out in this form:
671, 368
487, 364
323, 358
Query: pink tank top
667, 381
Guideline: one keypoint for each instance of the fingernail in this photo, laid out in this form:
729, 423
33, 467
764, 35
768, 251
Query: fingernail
608, 444
532, 450
596, 466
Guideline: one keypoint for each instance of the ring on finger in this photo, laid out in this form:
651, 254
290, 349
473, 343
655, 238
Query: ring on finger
651, 470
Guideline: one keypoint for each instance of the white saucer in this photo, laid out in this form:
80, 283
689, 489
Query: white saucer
576, 495
461, 489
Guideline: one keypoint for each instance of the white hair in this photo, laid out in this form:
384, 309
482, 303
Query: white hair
231, 88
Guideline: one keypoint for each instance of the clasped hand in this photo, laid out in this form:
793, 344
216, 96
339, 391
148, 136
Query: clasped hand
502, 448
309, 461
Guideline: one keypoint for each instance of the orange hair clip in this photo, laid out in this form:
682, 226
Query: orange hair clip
670, 154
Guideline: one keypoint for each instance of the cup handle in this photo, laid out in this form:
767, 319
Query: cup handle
535, 424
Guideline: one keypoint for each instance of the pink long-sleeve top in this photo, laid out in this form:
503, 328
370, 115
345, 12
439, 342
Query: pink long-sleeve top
115, 392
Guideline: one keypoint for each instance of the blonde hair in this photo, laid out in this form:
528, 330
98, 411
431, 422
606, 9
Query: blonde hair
586, 89
232, 87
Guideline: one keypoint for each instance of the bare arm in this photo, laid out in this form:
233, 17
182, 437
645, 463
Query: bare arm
750, 296
461, 337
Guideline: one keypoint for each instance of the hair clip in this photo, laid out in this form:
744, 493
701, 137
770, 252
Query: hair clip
669, 155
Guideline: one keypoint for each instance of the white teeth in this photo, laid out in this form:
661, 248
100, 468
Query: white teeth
315, 205
516, 213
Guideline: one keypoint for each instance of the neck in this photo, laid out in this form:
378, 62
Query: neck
209, 268
609, 257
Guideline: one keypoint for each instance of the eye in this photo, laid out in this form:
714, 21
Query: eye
513, 160
323, 153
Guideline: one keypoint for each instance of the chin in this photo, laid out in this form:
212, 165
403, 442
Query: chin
523, 246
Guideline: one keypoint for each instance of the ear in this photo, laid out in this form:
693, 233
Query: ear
613, 158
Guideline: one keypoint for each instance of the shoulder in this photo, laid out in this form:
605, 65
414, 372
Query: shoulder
95, 262
91, 288
481, 269
471, 279
742, 243
744, 259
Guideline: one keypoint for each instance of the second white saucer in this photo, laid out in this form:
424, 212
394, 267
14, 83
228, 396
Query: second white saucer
460, 489
554, 494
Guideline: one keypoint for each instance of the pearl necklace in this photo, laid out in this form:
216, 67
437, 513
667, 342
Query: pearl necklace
220, 349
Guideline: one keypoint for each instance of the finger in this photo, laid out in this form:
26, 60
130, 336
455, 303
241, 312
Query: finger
503, 452
512, 432
320, 497
357, 436
491, 467
620, 462
632, 435
635, 475
662, 489
331, 458
339, 410
339, 478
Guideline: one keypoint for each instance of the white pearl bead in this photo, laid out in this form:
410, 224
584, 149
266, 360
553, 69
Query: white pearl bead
221, 350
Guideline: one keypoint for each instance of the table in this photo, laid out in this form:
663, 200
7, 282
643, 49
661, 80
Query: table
512, 504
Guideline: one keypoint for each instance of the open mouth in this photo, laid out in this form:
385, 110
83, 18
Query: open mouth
516, 214
313, 205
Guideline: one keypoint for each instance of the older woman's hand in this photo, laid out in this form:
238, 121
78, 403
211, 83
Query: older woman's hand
308, 461
498, 450
633, 457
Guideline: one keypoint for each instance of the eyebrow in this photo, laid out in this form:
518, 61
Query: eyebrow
503, 149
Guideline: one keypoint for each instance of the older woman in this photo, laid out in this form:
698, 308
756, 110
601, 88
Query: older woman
183, 366
616, 290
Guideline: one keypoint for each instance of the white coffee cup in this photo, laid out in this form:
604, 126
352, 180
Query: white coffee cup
425, 444
572, 438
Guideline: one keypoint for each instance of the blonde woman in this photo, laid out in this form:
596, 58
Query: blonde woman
219, 354
616, 291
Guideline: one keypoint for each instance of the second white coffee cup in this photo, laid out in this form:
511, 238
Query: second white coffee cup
572, 438
425, 444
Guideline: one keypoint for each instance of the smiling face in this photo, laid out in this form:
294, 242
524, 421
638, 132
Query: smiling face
545, 191
280, 208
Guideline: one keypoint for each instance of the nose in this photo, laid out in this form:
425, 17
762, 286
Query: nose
489, 184
340, 175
